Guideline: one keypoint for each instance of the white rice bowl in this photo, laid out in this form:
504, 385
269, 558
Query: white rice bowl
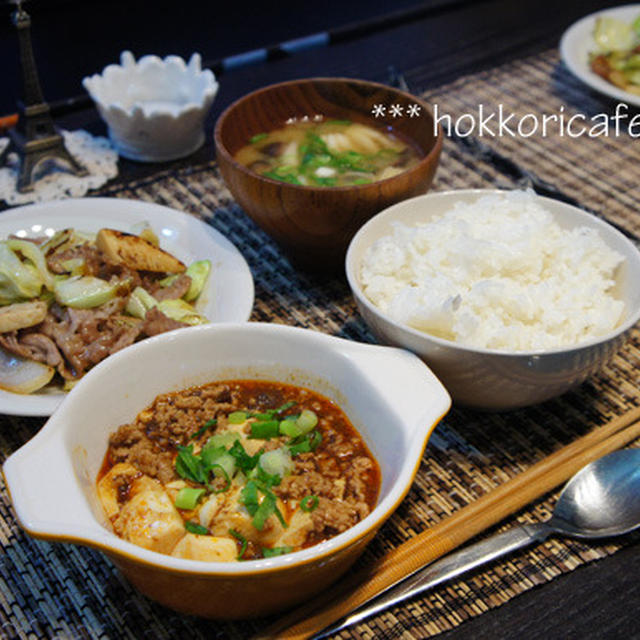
498, 273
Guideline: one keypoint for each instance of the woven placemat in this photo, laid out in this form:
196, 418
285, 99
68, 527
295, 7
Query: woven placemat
62, 591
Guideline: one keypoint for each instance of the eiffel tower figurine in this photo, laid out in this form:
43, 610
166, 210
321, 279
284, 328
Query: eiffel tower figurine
35, 138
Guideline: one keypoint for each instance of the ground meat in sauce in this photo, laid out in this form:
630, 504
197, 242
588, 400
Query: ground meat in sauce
341, 472
150, 442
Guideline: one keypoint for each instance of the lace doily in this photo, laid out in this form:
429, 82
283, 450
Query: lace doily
94, 153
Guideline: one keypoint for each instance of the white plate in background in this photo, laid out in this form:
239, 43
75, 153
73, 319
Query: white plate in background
577, 42
227, 297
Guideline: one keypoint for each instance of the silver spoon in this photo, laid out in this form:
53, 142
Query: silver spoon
601, 500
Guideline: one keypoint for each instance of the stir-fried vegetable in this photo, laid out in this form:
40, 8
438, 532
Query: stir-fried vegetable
19, 279
19, 375
39, 278
85, 292
617, 58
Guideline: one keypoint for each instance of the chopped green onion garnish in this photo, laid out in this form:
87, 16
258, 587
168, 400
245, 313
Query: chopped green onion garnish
315, 438
249, 497
237, 417
265, 478
194, 527
265, 509
188, 497
290, 428
275, 551
224, 439
242, 540
189, 466
281, 518
244, 461
309, 503
210, 454
268, 415
291, 178
305, 444
207, 425
307, 421
219, 470
284, 407
258, 137
265, 430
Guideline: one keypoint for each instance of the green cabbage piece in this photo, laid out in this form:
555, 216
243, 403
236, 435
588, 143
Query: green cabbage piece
19, 280
85, 292
181, 311
140, 301
611, 34
33, 253
198, 272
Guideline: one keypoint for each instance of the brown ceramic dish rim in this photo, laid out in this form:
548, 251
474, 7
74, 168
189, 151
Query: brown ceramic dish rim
97, 536
221, 147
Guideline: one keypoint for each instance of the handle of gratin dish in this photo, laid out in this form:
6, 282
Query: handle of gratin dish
47, 495
405, 381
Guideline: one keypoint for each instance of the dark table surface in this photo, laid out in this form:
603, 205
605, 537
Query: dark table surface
429, 43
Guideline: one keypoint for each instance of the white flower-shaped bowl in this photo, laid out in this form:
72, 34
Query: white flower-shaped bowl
154, 108
389, 394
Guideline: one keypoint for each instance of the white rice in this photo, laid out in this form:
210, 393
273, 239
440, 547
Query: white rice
499, 274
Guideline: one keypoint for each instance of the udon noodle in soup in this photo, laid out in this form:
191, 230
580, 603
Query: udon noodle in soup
237, 470
329, 153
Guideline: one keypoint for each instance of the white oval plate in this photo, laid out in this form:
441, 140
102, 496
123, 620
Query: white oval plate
576, 43
228, 296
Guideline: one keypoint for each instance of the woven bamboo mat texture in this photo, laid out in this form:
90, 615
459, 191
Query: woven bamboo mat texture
63, 591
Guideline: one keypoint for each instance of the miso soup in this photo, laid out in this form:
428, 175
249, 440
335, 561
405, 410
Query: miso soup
328, 153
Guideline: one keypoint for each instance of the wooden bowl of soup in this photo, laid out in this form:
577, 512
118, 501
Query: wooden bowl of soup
62, 481
310, 161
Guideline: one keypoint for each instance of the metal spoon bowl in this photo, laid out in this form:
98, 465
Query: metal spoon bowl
601, 500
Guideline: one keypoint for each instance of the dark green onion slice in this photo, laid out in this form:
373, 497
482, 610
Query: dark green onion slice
190, 466
309, 503
315, 438
194, 527
258, 137
275, 551
242, 540
265, 430
215, 468
300, 445
285, 406
207, 425
249, 497
305, 444
244, 461
265, 509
